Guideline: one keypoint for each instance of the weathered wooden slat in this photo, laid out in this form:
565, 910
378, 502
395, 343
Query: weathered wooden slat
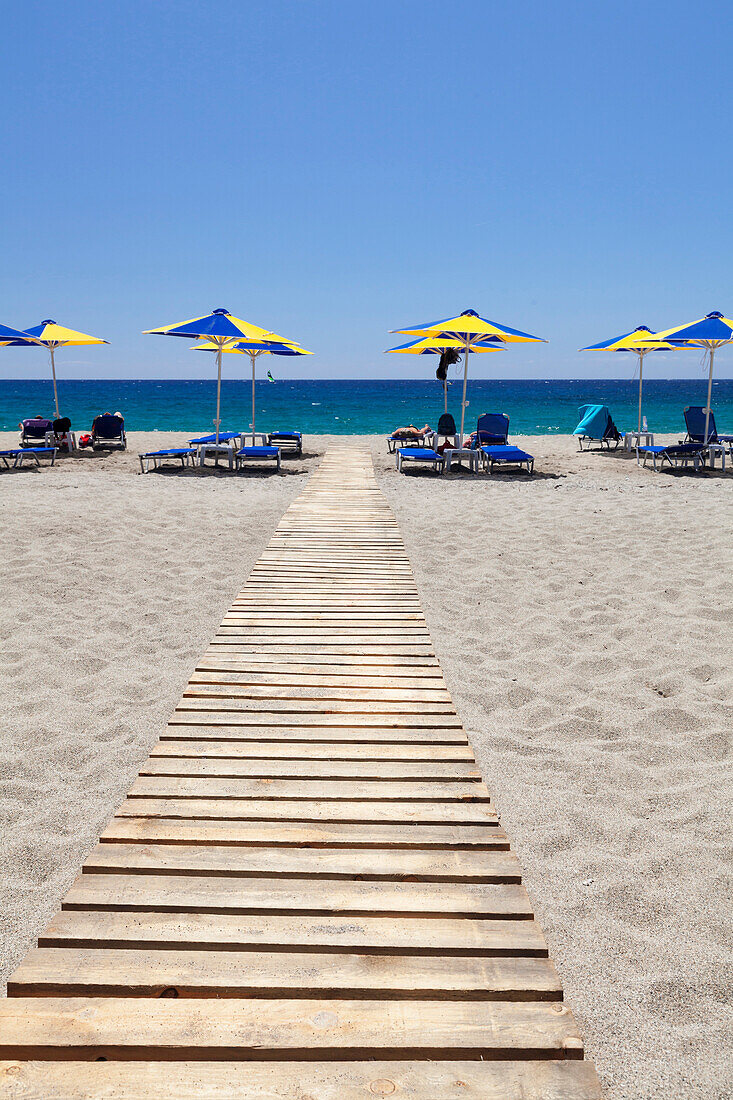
426, 1079
152, 830
272, 932
74, 972
319, 789
213, 894
376, 771
385, 865
305, 750
220, 727
306, 811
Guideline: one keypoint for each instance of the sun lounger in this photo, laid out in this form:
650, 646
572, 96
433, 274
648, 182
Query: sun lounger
506, 456
420, 454
597, 426
224, 437
290, 441
674, 454
184, 455
429, 440
492, 430
695, 422
108, 430
35, 431
18, 455
256, 454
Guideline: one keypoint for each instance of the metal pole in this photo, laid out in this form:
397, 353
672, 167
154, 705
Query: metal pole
710, 393
465, 379
641, 371
445, 395
253, 356
218, 390
55, 390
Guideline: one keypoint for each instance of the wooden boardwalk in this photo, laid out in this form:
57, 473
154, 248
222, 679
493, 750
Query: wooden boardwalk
307, 893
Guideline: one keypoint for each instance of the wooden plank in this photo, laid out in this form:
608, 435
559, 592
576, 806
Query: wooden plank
375, 771
218, 685
305, 750
312, 811
271, 932
317, 789
293, 1080
207, 714
213, 894
302, 835
206, 697
218, 727
79, 972
385, 865
365, 664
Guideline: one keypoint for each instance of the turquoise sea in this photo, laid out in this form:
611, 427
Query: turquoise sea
359, 407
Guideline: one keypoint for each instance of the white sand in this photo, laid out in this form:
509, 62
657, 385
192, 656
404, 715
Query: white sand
583, 621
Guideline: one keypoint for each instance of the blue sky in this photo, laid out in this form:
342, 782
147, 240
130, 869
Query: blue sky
334, 169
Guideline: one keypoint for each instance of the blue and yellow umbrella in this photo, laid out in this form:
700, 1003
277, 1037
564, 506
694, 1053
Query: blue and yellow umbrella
470, 330
222, 330
710, 332
53, 336
254, 349
640, 341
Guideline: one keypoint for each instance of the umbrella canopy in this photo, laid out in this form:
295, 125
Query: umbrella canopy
15, 337
434, 345
254, 348
54, 336
221, 329
710, 332
640, 341
469, 328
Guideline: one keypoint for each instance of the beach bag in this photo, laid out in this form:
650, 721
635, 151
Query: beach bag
85, 440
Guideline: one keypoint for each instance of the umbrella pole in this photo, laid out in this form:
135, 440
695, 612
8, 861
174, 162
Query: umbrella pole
710, 393
218, 390
445, 395
55, 390
465, 380
641, 371
253, 356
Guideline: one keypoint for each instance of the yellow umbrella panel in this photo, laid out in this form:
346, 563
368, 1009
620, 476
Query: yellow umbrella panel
55, 336
640, 341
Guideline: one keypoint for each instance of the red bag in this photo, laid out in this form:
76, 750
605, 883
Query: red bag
85, 440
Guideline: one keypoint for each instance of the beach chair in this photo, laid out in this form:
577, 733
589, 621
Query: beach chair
286, 441
108, 430
695, 423
35, 431
224, 437
429, 439
506, 455
674, 454
597, 426
420, 454
256, 454
185, 455
492, 430
19, 455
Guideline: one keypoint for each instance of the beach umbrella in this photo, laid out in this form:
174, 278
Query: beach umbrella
221, 329
433, 345
641, 341
710, 332
54, 336
470, 329
254, 349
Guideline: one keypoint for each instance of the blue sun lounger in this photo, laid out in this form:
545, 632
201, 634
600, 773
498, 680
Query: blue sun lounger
695, 422
254, 454
507, 455
596, 426
291, 441
420, 454
674, 454
18, 455
185, 455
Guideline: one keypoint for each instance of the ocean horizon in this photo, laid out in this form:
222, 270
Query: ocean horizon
359, 406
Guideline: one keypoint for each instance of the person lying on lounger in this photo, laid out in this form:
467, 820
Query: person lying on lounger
411, 432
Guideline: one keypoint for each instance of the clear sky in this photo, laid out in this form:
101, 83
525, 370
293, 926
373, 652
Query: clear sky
334, 169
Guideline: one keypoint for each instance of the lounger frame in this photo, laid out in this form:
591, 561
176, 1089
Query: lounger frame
19, 454
186, 456
412, 454
488, 460
668, 455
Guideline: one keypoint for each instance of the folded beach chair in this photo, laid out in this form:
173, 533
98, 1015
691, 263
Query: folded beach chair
256, 454
448, 431
18, 455
695, 421
506, 455
184, 455
420, 454
597, 426
290, 441
675, 454
108, 430
34, 431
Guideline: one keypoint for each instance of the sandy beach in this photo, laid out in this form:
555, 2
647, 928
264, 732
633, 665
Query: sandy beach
583, 621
